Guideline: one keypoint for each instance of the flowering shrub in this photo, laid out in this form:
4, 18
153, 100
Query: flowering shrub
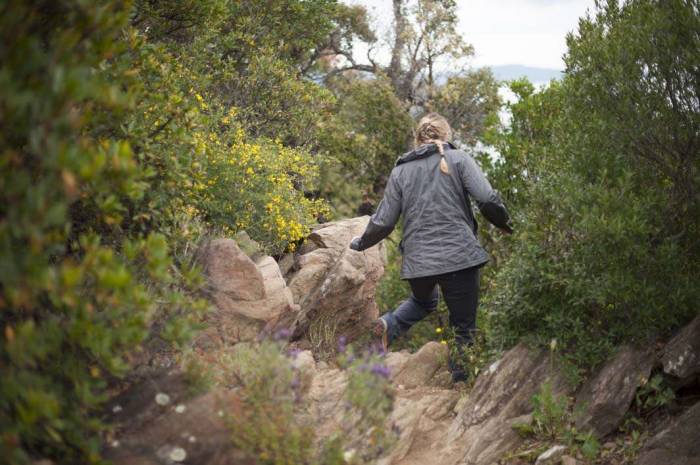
257, 186
275, 425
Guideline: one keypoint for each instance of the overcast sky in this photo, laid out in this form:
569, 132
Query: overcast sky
524, 32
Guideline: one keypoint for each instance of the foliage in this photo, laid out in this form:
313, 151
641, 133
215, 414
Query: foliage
370, 401
602, 253
119, 149
470, 102
271, 391
552, 423
77, 293
370, 129
652, 395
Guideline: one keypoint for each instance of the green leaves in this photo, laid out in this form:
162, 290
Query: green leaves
597, 171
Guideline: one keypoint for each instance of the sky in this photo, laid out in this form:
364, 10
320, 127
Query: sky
523, 32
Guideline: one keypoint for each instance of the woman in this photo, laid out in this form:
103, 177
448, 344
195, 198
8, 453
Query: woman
431, 188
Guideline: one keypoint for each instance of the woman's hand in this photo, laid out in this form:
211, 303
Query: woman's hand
355, 243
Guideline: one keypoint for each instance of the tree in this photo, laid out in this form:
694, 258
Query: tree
605, 250
470, 102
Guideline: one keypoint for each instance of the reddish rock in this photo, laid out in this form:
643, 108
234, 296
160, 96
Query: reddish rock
421, 368
334, 286
247, 295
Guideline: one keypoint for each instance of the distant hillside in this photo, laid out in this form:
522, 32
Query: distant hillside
508, 72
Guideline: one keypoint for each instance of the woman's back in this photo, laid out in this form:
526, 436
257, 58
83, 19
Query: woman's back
438, 224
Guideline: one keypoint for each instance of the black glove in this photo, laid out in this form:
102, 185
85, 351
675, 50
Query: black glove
355, 243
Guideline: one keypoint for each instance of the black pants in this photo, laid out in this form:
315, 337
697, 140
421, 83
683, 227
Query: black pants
460, 289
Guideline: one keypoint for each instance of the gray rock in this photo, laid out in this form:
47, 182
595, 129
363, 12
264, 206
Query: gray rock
568, 460
681, 356
551, 456
482, 431
605, 398
677, 444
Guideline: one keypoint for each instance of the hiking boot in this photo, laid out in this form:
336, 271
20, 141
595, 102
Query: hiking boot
379, 329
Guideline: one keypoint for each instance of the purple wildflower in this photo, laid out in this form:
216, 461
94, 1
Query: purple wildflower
379, 369
283, 333
342, 344
292, 353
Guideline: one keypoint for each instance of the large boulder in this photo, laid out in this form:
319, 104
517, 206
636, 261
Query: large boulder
604, 398
247, 294
333, 285
677, 444
681, 356
482, 431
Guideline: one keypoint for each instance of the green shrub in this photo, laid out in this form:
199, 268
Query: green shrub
117, 153
602, 253
552, 423
77, 294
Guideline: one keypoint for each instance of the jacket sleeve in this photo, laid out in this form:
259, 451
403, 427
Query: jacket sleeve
384, 219
486, 198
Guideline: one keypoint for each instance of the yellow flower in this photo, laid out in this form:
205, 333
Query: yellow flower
438, 330
443, 342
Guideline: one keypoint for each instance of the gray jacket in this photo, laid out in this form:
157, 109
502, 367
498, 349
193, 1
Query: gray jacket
439, 228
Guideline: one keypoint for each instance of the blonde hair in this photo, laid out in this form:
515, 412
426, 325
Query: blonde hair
433, 128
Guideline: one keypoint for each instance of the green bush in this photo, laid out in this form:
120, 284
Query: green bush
117, 153
77, 293
603, 252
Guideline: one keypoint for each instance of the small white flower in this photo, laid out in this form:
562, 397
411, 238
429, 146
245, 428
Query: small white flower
192, 439
180, 408
162, 398
178, 454
220, 413
348, 455
115, 443
117, 408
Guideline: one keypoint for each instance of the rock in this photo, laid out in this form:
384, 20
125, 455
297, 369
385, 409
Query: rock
482, 431
151, 431
677, 444
229, 270
249, 247
304, 361
421, 416
334, 286
247, 295
604, 399
568, 460
286, 264
551, 456
420, 368
326, 397
681, 356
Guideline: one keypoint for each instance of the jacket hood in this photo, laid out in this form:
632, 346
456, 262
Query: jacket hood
423, 151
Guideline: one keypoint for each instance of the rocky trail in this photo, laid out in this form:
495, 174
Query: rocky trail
326, 290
